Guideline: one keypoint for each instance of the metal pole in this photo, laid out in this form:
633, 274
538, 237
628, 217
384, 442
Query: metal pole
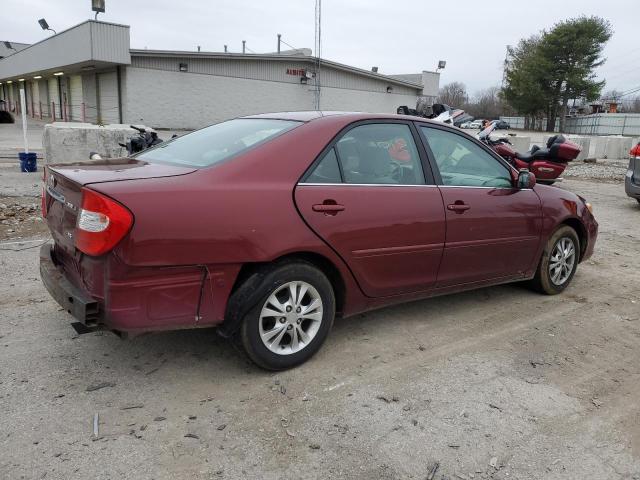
244, 45
84, 113
279, 42
24, 120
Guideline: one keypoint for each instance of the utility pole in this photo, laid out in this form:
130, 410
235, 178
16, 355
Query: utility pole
279, 35
318, 47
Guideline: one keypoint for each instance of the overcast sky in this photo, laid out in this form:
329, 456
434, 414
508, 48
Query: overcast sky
398, 36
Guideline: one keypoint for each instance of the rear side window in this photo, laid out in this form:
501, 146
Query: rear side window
380, 153
218, 142
327, 171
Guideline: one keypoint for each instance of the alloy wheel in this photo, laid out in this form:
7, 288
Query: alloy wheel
290, 318
562, 260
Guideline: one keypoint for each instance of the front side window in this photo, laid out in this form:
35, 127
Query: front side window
463, 163
380, 154
218, 142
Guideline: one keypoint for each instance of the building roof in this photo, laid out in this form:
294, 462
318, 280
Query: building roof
95, 44
274, 57
5, 52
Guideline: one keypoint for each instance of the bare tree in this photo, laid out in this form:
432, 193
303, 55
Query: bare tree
486, 104
453, 94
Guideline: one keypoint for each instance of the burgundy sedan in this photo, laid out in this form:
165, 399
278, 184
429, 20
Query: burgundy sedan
268, 227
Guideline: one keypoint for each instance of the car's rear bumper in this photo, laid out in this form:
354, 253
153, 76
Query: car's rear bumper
74, 300
139, 300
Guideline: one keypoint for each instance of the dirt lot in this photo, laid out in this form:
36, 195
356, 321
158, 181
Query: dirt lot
497, 383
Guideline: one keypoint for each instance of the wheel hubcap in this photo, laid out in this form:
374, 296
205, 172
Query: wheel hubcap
562, 260
290, 318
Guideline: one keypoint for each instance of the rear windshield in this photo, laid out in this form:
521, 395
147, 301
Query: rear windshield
218, 142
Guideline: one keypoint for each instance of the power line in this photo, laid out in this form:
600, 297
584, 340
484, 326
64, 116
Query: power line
290, 46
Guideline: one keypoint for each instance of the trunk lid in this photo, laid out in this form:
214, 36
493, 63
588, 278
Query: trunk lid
64, 182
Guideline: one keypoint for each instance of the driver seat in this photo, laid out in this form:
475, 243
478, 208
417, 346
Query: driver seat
536, 153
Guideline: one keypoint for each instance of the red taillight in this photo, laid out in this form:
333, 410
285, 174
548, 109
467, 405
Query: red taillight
102, 223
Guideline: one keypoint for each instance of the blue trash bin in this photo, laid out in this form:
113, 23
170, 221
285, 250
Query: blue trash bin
28, 162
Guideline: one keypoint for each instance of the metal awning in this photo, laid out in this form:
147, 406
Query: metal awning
87, 46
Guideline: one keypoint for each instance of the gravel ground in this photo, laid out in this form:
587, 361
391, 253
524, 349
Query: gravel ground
496, 383
607, 170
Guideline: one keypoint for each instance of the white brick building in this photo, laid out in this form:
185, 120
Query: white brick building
90, 73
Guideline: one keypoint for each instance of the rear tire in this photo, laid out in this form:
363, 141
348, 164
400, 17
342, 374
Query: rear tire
292, 318
558, 263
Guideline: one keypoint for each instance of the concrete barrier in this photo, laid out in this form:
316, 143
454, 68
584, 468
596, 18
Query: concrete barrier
520, 144
66, 142
613, 147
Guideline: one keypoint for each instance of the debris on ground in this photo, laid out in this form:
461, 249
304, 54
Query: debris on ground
433, 469
96, 425
100, 386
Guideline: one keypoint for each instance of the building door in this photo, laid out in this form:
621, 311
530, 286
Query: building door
108, 106
35, 96
11, 98
54, 96
75, 89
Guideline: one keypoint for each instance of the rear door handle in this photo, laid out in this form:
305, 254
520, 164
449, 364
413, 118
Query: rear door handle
328, 207
458, 207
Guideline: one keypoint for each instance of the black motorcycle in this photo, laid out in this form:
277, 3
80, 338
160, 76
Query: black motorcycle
141, 141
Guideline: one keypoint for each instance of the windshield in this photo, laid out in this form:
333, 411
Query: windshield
218, 142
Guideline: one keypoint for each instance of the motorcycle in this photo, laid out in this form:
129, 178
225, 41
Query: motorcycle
547, 164
438, 111
141, 141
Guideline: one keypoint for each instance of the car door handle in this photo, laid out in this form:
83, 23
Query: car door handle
458, 207
328, 207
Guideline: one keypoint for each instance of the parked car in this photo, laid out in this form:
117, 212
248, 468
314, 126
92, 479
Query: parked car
270, 226
476, 124
502, 125
632, 179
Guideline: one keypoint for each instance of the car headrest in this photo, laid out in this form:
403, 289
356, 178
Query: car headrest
373, 160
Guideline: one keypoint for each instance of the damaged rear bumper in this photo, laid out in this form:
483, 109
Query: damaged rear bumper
74, 300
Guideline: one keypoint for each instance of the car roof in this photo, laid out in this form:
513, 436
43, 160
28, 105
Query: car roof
310, 115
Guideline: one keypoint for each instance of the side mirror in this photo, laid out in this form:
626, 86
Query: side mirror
526, 179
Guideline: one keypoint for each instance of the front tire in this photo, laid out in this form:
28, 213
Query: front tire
292, 318
558, 263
